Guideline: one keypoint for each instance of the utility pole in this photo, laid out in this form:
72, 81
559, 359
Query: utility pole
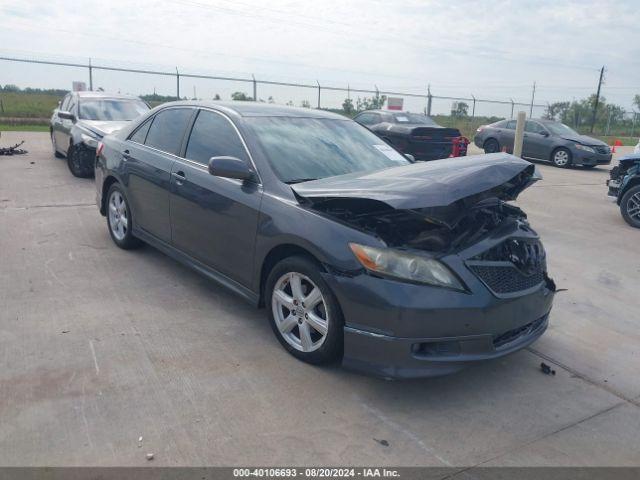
595, 106
429, 98
90, 76
533, 96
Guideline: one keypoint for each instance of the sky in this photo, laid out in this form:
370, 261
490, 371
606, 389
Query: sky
494, 49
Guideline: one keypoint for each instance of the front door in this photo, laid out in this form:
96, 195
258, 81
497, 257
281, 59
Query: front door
215, 219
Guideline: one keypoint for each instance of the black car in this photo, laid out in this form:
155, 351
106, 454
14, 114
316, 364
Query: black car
82, 119
624, 186
398, 268
414, 134
545, 140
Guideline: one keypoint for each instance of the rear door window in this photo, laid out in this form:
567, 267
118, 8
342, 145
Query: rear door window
213, 135
167, 129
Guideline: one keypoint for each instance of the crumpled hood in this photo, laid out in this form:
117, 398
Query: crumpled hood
102, 127
583, 139
629, 160
437, 183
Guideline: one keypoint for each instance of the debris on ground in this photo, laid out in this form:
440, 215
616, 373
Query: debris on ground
140, 442
382, 442
14, 150
149, 456
546, 369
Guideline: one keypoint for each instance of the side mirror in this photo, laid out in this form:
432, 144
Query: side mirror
410, 157
544, 133
230, 167
67, 115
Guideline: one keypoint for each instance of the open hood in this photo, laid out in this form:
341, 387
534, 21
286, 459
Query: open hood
438, 183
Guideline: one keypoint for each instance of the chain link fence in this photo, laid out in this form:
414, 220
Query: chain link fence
466, 113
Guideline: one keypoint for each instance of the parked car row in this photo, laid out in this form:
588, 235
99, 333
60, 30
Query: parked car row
359, 253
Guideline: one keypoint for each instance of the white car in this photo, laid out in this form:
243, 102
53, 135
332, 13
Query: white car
637, 149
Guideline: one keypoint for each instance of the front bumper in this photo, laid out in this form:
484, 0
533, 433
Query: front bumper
400, 330
580, 157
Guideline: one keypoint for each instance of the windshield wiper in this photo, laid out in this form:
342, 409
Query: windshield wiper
299, 180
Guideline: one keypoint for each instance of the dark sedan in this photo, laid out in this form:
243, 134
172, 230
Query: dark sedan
82, 119
414, 134
545, 140
396, 268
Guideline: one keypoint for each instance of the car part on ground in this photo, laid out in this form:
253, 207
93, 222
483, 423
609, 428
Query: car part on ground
545, 140
82, 119
624, 186
13, 150
414, 134
400, 269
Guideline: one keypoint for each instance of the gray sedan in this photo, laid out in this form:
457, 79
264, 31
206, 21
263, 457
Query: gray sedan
82, 119
545, 140
360, 255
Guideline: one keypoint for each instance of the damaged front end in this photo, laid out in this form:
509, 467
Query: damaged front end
444, 208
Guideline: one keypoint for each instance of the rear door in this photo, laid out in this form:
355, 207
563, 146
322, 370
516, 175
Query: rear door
148, 157
215, 219
536, 144
507, 135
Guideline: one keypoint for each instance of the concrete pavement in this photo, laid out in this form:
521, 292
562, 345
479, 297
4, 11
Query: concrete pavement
99, 346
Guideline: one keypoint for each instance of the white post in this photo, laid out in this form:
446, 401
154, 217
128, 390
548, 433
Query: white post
517, 142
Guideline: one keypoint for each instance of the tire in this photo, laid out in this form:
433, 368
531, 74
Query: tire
289, 323
56, 153
561, 157
77, 161
119, 219
630, 206
491, 145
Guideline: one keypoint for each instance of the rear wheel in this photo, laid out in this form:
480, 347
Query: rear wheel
119, 219
561, 158
78, 160
630, 206
491, 146
303, 312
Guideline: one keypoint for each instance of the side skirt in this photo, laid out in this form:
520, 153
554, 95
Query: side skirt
198, 266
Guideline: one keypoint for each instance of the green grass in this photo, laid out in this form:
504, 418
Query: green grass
27, 105
23, 128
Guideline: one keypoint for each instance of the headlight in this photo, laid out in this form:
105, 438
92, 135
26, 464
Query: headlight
89, 141
585, 148
405, 266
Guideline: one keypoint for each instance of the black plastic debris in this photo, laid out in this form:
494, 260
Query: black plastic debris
13, 150
546, 369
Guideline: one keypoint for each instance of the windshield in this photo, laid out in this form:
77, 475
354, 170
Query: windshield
301, 149
111, 109
560, 129
413, 118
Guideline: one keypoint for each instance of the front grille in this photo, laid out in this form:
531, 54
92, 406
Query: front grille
511, 335
507, 278
603, 149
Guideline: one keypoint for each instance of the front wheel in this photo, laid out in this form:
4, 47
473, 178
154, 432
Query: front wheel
630, 206
79, 161
119, 219
561, 158
303, 312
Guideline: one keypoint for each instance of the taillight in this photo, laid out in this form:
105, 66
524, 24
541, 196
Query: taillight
99, 149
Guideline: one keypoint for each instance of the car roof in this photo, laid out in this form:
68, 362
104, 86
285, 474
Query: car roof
92, 94
259, 109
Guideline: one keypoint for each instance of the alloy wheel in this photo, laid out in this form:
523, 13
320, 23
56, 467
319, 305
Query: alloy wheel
300, 312
633, 207
561, 158
118, 216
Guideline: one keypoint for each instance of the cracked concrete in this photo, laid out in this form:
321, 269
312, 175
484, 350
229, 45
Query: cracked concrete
100, 346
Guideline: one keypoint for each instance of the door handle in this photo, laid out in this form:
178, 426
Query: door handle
179, 176
126, 155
